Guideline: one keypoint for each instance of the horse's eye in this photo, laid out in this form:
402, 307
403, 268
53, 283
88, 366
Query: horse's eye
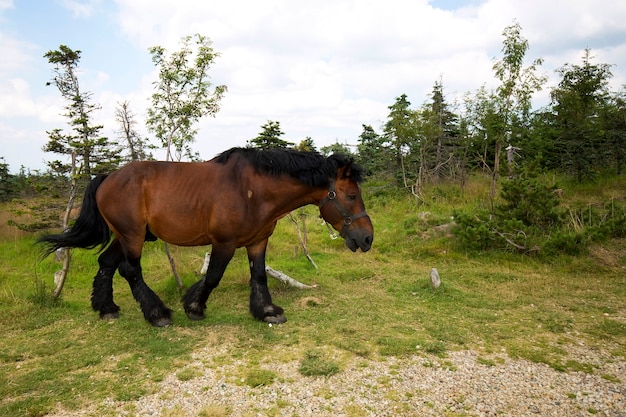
351, 197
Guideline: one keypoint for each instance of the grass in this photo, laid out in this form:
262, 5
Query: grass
316, 363
368, 305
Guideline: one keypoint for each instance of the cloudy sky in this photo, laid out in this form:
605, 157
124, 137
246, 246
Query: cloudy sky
321, 68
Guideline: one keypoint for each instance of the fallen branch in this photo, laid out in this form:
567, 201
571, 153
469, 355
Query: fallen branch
281, 276
509, 241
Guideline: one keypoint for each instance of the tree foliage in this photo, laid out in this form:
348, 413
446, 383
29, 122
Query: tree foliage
184, 94
270, 137
84, 141
579, 102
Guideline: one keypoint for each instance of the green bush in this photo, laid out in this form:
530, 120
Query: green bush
529, 210
529, 201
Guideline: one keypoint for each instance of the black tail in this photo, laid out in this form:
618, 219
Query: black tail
89, 230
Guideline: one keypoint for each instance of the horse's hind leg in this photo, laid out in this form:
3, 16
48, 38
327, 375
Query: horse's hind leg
151, 305
102, 294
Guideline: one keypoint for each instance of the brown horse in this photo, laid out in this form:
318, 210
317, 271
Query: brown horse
231, 201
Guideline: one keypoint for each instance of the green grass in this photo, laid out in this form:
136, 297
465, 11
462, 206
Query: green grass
316, 363
365, 305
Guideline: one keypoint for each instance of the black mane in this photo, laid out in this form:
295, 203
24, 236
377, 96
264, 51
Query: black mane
310, 168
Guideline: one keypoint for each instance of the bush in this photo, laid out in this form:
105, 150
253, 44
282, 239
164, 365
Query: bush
529, 210
529, 201
564, 243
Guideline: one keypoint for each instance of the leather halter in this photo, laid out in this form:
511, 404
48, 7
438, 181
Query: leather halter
348, 218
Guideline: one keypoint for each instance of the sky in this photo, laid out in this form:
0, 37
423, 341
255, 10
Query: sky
322, 69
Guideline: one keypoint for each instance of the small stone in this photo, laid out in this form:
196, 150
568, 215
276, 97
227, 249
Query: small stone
435, 281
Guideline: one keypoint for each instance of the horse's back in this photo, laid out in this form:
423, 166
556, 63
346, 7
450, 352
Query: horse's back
180, 202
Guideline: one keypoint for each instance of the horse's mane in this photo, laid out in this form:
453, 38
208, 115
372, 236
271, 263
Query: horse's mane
310, 168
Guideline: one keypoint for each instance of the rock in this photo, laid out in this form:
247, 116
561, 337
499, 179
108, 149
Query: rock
435, 281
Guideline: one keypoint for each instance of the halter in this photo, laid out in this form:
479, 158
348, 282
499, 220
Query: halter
348, 217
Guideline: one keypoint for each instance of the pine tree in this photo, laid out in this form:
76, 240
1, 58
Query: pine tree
578, 102
84, 143
270, 137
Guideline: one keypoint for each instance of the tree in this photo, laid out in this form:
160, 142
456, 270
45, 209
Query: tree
84, 142
578, 102
183, 94
439, 130
513, 95
336, 147
614, 117
306, 145
400, 132
270, 137
7, 182
374, 154
128, 135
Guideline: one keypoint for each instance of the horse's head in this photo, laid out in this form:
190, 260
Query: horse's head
343, 208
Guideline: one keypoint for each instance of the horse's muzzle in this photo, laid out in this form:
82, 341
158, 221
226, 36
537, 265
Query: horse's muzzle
359, 240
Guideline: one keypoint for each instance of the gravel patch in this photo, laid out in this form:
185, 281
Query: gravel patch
461, 384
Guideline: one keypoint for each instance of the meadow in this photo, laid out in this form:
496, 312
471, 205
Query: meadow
367, 305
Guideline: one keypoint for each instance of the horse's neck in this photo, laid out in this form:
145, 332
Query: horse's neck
290, 194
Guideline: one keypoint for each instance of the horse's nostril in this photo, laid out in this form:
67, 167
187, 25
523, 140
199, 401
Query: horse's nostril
368, 240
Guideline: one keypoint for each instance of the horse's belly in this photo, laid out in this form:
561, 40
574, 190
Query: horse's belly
180, 235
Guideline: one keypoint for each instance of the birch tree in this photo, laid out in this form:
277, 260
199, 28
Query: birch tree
184, 94
513, 96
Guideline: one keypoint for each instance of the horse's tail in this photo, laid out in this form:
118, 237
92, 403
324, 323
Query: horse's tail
89, 230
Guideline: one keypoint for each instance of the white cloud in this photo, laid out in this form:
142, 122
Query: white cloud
312, 65
321, 68
82, 9
17, 54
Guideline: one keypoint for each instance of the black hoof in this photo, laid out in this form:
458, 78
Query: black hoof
110, 316
194, 316
280, 319
273, 314
159, 317
162, 322
195, 312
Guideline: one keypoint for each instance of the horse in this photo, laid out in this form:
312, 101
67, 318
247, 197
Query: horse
231, 201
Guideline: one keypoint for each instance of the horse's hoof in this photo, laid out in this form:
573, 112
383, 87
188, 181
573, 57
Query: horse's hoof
279, 319
162, 322
195, 316
110, 316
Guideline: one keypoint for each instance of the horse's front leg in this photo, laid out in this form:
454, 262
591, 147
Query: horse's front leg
195, 299
261, 305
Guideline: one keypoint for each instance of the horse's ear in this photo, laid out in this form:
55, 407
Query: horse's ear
346, 170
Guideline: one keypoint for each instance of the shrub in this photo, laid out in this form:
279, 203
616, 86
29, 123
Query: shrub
528, 211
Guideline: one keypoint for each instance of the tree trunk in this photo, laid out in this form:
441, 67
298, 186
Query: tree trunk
301, 236
168, 157
173, 265
495, 174
64, 253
